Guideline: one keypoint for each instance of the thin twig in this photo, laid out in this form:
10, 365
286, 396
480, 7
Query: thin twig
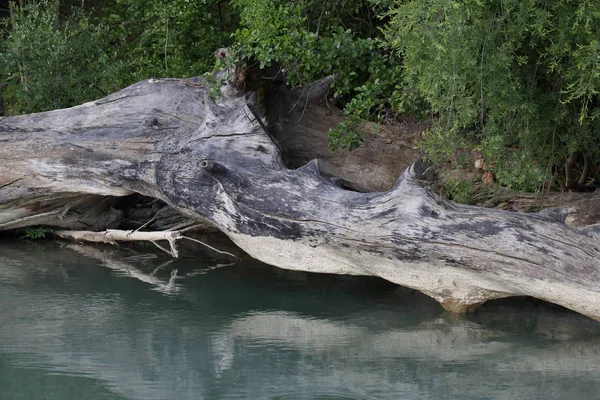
209, 246
181, 225
174, 251
190, 228
162, 248
306, 103
141, 227
166, 45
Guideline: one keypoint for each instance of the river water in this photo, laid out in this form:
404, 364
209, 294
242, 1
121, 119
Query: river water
80, 322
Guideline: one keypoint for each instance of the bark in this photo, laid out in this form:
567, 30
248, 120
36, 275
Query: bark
167, 139
299, 120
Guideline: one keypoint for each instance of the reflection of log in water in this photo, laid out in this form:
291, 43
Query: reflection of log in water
356, 357
126, 266
148, 346
444, 339
120, 263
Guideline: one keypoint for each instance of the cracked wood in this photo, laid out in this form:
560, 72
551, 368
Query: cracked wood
169, 140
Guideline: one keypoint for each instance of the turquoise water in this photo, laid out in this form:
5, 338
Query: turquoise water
80, 322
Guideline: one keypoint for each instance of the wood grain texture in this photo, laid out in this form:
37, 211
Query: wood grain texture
169, 140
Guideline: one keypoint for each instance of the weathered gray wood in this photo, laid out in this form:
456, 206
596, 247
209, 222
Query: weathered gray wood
299, 120
168, 140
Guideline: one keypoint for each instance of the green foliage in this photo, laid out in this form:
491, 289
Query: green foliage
380, 97
154, 38
520, 76
36, 233
441, 144
517, 80
282, 33
521, 172
57, 59
50, 63
311, 39
459, 190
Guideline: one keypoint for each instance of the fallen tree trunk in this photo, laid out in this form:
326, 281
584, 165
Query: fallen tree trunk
169, 140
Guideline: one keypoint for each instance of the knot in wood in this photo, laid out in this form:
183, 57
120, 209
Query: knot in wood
207, 165
214, 167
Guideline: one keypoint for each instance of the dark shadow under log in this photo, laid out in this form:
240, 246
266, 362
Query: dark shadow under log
167, 139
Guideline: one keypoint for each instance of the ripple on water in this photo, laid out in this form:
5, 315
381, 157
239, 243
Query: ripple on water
319, 396
131, 327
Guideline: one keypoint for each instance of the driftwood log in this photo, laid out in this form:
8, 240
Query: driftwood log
210, 159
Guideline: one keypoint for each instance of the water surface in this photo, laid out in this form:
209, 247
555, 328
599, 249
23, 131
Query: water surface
80, 322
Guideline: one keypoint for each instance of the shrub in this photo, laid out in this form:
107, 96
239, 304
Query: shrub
519, 78
50, 63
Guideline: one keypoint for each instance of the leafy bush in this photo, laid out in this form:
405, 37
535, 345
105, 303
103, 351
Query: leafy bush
520, 76
312, 39
459, 190
58, 59
52, 64
517, 80
154, 38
